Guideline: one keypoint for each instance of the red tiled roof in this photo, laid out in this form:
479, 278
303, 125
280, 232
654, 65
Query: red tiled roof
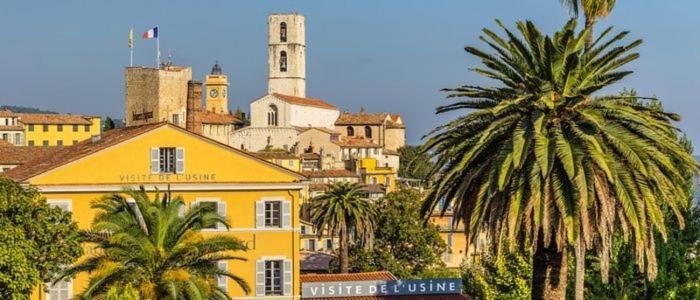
356, 142
323, 129
329, 173
361, 118
310, 156
65, 155
208, 117
11, 128
374, 188
7, 113
54, 119
305, 101
381, 275
318, 186
18, 155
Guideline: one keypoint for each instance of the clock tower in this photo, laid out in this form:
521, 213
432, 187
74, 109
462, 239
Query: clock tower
217, 91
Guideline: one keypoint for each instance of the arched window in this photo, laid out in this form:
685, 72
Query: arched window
272, 115
351, 131
283, 32
283, 61
368, 132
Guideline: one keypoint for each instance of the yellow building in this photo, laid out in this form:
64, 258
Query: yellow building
217, 91
58, 129
371, 173
284, 159
260, 200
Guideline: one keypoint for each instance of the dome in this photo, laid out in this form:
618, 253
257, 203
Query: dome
216, 69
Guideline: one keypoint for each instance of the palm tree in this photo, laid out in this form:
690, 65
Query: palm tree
592, 10
157, 248
344, 213
539, 162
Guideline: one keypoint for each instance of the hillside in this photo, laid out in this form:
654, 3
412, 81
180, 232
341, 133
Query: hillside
24, 109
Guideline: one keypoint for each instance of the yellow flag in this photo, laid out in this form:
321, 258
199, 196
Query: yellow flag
131, 38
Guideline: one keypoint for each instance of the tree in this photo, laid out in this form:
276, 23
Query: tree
547, 166
346, 214
413, 163
46, 236
506, 275
592, 11
156, 249
403, 243
109, 123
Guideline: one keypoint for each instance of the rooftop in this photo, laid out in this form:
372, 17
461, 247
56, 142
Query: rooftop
305, 101
356, 142
274, 155
381, 275
7, 113
18, 155
207, 117
329, 173
54, 119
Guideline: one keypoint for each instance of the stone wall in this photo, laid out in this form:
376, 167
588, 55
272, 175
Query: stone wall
256, 138
292, 81
155, 95
395, 138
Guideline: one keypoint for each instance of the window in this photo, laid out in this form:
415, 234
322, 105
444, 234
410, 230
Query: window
283, 61
329, 244
283, 32
5, 136
215, 204
59, 143
75, 127
30, 143
5, 169
291, 163
166, 160
211, 206
59, 127
176, 119
272, 115
30, 127
62, 290
44, 143
65, 205
303, 229
368, 131
45, 128
273, 278
87, 128
311, 245
74, 142
18, 138
351, 131
272, 214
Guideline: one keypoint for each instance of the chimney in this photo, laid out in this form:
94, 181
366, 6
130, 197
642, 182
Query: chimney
194, 106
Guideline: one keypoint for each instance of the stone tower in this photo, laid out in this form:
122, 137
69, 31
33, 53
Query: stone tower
217, 91
156, 94
286, 54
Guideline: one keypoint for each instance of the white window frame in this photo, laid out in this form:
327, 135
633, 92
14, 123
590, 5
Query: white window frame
285, 218
219, 203
61, 201
287, 279
70, 290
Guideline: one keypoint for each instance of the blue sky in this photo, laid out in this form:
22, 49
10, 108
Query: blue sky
390, 56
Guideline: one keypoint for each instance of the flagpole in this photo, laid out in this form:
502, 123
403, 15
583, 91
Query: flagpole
157, 49
131, 48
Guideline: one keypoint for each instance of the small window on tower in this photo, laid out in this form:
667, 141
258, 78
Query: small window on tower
351, 131
368, 132
283, 32
283, 61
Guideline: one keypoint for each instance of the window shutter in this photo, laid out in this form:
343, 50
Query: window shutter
180, 160
221, 280
260, 278
221, 209
181, 211
286, 214
288, 277
155, 160
260, 214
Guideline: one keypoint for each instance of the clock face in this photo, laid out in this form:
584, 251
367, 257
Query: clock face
213, 93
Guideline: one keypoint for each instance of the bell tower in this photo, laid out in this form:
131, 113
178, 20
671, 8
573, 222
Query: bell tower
217, 91
286, 54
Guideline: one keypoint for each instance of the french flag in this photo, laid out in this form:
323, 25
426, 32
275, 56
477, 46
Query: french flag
151, 33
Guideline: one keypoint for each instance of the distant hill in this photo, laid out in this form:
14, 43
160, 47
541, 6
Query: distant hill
24, 109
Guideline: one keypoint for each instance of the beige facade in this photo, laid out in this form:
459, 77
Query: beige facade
11, 130
276, 110
156, 95
386, 130
395, 137
286, 54
258, 138
323, 142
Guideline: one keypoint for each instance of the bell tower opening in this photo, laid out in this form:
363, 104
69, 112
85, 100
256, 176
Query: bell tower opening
287, 54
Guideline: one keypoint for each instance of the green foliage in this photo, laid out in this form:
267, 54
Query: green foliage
346, 214
239, 114
160, 253
403, 243
44, 235
414, 163
18, 274
507, 276
128, 292
537, 157
109, 124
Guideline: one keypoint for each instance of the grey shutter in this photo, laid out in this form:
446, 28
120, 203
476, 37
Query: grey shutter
221, 209
260, 278
288, 274
155, 160
221, 280
286, 214
180, 160
259, 214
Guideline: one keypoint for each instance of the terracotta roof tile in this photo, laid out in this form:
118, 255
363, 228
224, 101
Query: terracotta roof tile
329, 173
318, 186
11, 128
207, 117
274, 155
54, 119
7, 113
18, 155
305, 101
310, 156
65, 155
4, 143
381, 275
356, 142
361, 118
